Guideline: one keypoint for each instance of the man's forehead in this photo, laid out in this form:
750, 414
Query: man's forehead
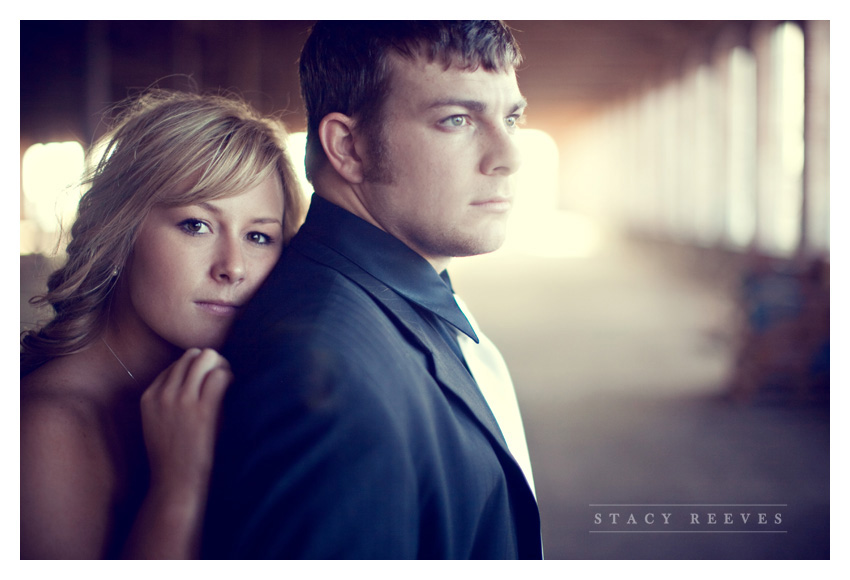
429, 78
441, 63
451, 56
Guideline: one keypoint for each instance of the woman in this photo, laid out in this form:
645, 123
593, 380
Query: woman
186, 213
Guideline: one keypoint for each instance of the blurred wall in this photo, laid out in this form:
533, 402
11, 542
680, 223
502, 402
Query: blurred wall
713, 133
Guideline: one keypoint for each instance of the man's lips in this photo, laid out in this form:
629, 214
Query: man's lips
494, 203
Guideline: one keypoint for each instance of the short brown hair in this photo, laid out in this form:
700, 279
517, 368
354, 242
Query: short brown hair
345, 66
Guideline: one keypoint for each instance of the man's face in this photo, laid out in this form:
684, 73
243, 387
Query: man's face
439, 181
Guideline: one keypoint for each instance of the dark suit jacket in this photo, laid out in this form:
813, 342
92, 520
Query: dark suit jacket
353, 430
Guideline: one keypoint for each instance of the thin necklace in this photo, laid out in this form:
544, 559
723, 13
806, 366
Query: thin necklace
118, 359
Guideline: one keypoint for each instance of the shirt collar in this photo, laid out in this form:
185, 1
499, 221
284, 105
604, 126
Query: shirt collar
386, 258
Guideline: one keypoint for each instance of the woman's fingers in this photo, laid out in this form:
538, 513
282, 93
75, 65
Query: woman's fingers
199, 371
173, 376
214, 387
180, 416
185, 378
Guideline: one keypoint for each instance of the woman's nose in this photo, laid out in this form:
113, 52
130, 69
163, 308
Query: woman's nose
229, 262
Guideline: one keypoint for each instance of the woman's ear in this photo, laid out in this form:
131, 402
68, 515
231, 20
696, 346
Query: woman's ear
339, 142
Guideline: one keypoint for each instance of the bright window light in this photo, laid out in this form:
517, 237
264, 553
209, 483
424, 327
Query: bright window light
789, 202
297, 148
50, 174
741, 151
781, 199
536, 225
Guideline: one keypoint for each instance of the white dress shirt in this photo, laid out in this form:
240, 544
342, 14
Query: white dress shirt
489, 370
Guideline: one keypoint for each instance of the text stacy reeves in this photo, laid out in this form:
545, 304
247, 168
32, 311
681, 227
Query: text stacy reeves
686, 519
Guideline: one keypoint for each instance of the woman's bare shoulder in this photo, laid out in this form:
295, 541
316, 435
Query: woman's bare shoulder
60, 390
67, 468
61, 413
65, 422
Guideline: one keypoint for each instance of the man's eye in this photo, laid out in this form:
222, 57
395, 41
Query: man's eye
456, 121
513, 121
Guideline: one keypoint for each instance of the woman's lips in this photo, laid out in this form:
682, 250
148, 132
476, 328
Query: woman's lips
218, 308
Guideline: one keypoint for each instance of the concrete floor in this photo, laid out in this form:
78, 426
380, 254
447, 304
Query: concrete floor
620, 362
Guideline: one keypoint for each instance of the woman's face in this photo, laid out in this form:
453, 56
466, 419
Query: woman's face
193, 267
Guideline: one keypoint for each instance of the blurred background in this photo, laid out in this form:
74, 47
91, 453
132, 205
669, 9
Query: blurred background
662, 299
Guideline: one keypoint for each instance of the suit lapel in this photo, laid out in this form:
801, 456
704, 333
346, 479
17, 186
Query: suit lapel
449, 371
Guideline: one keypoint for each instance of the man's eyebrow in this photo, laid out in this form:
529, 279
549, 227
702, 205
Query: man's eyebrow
469, 104
473, 105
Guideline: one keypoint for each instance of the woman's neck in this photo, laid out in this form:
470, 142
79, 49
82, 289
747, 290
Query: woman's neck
139, 356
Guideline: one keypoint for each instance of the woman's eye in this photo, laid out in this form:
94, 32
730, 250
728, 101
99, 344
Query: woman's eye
260, 238
194, 227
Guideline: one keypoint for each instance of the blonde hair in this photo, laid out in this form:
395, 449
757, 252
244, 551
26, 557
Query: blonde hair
165, 148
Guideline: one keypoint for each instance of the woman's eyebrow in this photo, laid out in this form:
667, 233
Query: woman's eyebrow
209, 207
217, 211
266, 220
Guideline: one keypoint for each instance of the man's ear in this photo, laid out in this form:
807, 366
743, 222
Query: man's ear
339, 142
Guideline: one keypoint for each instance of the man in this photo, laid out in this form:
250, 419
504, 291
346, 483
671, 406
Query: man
355, 428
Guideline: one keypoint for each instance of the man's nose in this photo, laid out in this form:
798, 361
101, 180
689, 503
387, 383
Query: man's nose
502, 155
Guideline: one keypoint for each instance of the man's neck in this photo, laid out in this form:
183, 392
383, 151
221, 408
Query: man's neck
350, 202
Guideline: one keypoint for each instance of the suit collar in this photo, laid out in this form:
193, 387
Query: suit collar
328, 228
449, 372
385, 258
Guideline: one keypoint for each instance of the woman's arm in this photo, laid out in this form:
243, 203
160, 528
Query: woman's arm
180, 414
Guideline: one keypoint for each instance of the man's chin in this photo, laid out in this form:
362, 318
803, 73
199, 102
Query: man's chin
482, 247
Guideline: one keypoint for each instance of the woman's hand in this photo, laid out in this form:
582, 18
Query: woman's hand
180, 417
